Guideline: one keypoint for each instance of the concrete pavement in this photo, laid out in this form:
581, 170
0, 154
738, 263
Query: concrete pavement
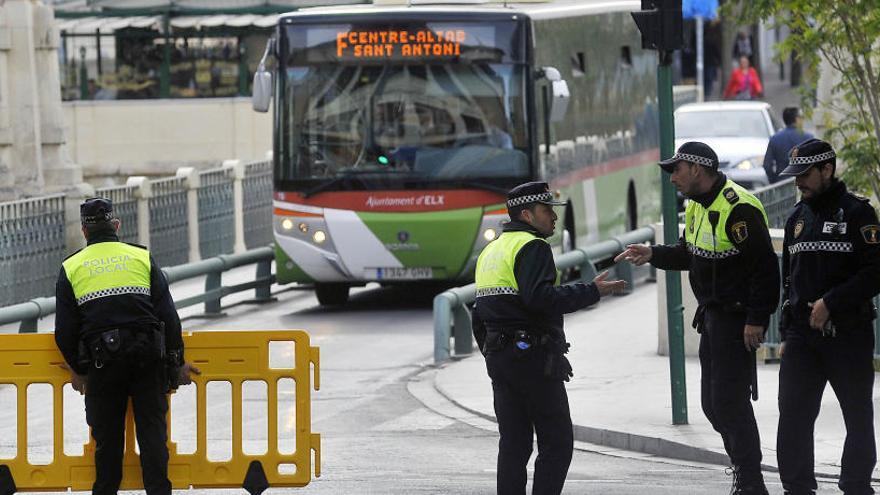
620, 395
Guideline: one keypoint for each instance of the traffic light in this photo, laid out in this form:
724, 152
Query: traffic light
660, 24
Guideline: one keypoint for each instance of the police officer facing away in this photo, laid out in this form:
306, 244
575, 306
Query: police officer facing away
831, 271
517, 322
735, 278
117, 328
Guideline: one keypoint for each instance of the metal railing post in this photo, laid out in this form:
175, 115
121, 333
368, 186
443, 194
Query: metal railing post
28, 326
142, 192
464, 341
192, 179
588, 271
213, 283
263, 293
442, 327
238, 200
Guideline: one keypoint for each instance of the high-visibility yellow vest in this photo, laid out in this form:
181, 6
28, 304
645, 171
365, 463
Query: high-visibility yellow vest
698, 227
108, 269
494, 274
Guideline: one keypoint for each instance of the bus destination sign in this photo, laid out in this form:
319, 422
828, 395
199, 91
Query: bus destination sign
400, 43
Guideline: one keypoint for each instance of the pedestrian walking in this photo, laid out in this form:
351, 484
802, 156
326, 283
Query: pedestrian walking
119, 332
831, 272
744, 83
517, 322
733, 271
742, 46
776, 157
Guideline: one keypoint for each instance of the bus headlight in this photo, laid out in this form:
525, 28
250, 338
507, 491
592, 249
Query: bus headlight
489, 235
319, 237
287, 224
304, 227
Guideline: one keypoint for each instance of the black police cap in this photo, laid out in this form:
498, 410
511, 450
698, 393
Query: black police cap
805, 155
693, 152
531, 192
96, 210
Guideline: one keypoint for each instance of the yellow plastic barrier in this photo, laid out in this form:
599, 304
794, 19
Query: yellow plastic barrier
226, 358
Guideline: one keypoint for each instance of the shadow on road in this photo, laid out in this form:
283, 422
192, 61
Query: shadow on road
416, 296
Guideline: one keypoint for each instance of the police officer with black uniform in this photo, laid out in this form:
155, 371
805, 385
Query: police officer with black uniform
517, 321
735, 277
831, 271
120, 335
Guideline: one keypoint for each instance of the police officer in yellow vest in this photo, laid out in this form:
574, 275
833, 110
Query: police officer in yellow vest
735, 277
517, 321
119, 332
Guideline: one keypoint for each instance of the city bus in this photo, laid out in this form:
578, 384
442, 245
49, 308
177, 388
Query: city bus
398, 130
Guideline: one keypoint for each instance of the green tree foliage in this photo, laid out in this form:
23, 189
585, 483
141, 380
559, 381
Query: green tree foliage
846, 33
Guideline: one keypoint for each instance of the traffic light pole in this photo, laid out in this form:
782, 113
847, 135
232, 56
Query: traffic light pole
674, 308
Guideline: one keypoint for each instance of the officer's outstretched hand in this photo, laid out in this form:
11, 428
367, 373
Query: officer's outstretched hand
184, 377
608, 286
77, 381
637, 254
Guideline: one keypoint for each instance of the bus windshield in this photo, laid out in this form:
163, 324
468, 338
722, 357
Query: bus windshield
422, 105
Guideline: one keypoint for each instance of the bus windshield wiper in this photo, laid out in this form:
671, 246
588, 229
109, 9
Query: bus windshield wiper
485, 187
346, 175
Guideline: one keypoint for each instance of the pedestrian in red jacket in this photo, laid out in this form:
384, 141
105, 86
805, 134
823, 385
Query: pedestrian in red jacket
744, 83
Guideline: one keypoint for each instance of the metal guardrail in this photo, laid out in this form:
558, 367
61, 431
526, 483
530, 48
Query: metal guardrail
452, 318
778, 200
31, 246
29, 312
257, 203
191, 216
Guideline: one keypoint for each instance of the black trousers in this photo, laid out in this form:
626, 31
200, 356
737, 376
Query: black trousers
528, 404
809, 362
107, 396
725, 379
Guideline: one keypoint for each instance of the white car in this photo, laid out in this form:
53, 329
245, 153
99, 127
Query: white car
738, 131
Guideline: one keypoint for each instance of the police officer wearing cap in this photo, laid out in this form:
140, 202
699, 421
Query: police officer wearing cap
831, 272
517, 322
120, 335
734, 274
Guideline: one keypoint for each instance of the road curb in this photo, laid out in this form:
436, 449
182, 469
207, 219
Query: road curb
629, 441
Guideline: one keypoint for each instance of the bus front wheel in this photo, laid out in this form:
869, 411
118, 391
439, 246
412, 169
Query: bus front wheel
332, 294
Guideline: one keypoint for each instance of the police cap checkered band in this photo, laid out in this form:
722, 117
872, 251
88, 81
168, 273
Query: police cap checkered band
96, 210
811, 160
699, 160
693, 152
531, 192
532, 198
805, 155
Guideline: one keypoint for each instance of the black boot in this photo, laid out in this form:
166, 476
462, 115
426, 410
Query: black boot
746, 482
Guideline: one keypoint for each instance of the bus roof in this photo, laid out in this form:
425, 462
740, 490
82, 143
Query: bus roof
536, 10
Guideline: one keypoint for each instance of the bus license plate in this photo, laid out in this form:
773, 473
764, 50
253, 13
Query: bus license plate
402, 273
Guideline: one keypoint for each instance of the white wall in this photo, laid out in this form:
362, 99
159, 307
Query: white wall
155, 137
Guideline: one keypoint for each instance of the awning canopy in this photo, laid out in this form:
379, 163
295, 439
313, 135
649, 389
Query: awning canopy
89, 25
68, 8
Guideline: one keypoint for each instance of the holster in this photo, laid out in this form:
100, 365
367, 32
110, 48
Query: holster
141, 344
172, 364
556, 365
699, 319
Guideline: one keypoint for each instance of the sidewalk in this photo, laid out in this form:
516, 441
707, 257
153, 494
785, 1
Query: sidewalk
620, 395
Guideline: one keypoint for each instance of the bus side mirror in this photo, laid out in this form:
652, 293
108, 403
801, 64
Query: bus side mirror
262, 95
559, 100
559, 94
261, 99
